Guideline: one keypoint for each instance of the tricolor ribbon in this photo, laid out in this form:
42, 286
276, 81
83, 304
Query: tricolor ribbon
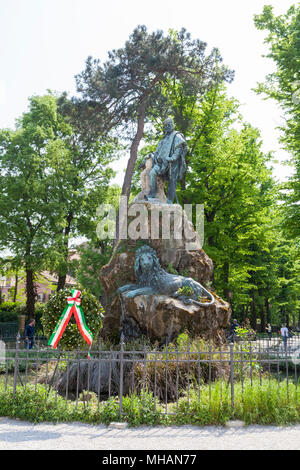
72, 307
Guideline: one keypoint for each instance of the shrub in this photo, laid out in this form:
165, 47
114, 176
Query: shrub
169, 371
72, 339
10, 311
267, 402
37, 404
186, 291
8, 306
8, 316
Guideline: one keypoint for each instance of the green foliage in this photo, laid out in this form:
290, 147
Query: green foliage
53, 176
171, 269
72, 339
127, 88
230, 174
186, 291
11, 311
265, 402
283, 85
93, 256
95, 253
241, 332
8, 306
36, 405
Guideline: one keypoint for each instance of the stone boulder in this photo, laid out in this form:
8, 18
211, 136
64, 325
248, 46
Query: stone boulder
158, 316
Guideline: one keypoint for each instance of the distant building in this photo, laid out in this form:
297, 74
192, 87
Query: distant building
46, 284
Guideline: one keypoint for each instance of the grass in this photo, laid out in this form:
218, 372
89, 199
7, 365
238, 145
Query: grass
265, 402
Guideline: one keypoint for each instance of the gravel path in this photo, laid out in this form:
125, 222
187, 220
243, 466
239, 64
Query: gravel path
23, 435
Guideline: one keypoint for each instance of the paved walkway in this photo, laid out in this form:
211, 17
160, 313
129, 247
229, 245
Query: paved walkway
16, 434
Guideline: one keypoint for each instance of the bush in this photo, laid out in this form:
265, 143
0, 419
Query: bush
72, 339
10, 311
8, 317
37, 404
8, 306
169, 372
258, 403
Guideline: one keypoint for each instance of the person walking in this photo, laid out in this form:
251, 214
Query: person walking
269, 330
29, 334
233, 327
284, 335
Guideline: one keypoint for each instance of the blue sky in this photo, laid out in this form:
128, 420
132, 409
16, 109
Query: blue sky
44, 43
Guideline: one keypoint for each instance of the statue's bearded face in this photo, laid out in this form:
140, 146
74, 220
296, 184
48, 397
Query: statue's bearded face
168, 126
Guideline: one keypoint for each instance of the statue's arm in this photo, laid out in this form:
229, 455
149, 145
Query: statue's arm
176, 154
179, 147
155, 154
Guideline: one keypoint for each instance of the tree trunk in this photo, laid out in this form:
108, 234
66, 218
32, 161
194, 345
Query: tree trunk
61, 282
247, 314
132, 158
262, 318
253, 311
243, 313
268, 311
30, 293
16, 287
227, 291
134, 149
262, 312
63, 276
283, 317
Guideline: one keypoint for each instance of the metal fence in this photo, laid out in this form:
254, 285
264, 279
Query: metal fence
167, 373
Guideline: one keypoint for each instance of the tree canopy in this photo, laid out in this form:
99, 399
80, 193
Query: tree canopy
52, 181
127, 88
283, 85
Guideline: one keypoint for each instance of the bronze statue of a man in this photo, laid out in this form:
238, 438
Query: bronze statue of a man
168, 161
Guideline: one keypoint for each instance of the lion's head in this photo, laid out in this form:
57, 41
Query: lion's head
147, 267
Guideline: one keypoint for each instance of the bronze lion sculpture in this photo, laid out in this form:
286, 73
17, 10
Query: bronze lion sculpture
153, 279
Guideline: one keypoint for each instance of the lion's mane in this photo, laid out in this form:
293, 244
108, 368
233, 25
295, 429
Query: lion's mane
156, 277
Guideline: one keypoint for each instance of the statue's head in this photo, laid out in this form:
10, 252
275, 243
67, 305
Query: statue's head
145, 261
168, 126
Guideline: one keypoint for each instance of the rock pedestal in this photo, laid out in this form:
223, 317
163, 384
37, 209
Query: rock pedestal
161, 317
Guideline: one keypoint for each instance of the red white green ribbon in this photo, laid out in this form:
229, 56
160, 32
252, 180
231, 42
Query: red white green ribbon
72, 307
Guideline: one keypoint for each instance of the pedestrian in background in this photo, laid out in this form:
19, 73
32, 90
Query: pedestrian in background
29, 334
233, 327
269, 330
284, 335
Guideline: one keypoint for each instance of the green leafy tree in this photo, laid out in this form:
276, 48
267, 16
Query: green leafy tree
283, 85
229, 174
53, 177
126, 89
95, 253
82, 173
27, 205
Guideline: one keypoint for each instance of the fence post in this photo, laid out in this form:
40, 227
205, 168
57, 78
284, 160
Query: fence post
121, 376
232, 375
16, 371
